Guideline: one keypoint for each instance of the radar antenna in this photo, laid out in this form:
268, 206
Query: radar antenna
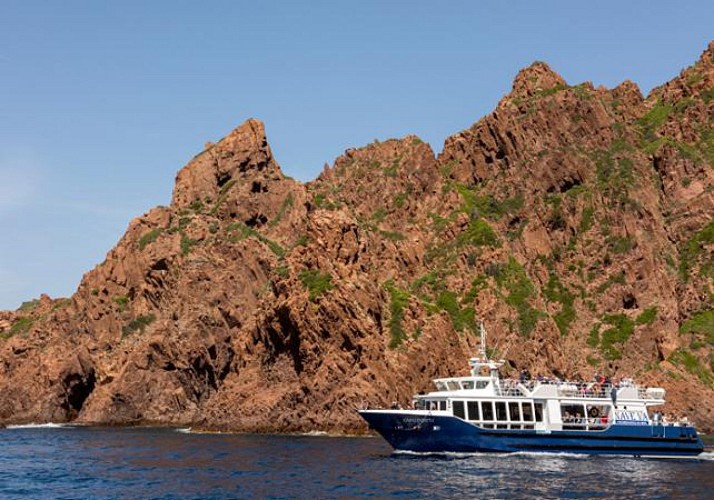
483, 361
482, 348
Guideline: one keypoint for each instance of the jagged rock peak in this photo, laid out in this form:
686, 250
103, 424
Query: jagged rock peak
691, 82
707, 57
242, 153
628, 86
536, 78
248, 137
629, 93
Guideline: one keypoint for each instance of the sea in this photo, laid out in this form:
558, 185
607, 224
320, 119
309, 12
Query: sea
72, 462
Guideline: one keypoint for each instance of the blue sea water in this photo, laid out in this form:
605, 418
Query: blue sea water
86, 462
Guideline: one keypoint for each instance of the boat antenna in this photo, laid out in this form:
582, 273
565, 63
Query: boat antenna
482, 349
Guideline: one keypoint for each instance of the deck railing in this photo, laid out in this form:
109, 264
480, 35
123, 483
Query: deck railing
589, 390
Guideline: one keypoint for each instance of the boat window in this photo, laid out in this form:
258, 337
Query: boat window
514, 411
458, 407
598, 415
473, 410
453, 386
487, 410
481, 384
442, 405
501, 411
467, 384
573, 415
527, 412
441, 386
538, 411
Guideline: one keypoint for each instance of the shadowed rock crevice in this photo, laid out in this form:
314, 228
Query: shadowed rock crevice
282, 336
77, 382
256, 220
77, 390
258, 187
222, 179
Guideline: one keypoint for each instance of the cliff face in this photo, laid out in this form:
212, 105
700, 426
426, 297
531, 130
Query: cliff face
576, 221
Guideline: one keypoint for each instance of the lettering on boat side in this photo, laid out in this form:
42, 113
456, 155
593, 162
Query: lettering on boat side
415, 424
417, 420
629, 417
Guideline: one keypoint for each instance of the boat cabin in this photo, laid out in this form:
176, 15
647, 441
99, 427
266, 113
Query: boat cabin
490, 402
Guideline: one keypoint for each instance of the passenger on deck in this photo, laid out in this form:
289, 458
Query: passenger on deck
596, 390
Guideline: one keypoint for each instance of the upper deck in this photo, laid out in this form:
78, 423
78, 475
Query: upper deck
493, 386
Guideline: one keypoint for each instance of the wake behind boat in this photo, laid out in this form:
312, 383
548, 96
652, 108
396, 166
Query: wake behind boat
484, 413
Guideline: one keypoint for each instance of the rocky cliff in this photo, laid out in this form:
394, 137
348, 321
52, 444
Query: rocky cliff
576, 221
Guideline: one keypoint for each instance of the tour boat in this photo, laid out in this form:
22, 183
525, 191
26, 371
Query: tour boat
484, 413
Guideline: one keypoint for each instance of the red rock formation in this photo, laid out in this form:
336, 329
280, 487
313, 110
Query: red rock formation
576, 221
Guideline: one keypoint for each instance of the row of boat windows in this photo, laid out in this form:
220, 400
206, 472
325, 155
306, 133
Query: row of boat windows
453, 385
501, 411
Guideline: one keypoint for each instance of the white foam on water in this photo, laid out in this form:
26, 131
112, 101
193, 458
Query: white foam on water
48, 425
465, 454
314, 434
190, 430
454, 454
549, 454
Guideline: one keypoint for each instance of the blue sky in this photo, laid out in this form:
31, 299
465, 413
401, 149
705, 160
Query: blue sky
101, 103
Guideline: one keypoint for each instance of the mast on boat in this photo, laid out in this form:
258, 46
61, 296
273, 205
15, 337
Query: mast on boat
483, 361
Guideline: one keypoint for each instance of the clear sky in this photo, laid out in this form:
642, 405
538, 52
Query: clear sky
102, 102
